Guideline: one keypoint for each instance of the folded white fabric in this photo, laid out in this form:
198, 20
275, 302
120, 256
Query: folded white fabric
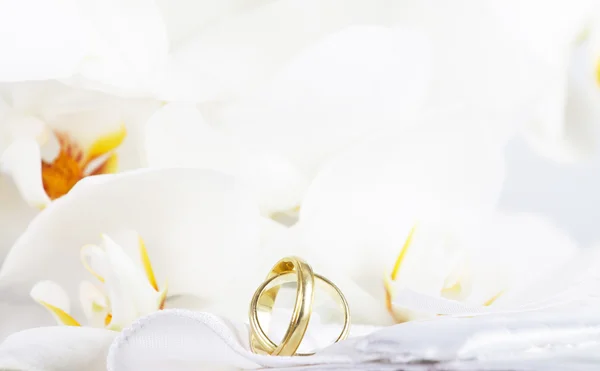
183, 340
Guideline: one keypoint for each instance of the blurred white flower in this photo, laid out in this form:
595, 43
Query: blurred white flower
498, 274
201, 230
423, 58
341, 89
445, 173
405, 224
172, 50
564, 125
51, 137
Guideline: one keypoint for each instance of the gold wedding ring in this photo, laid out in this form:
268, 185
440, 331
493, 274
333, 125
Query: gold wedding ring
290, 269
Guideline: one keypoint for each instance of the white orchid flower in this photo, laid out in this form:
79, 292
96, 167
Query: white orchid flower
201, 232
360, 209
404, 223
503, 273
129, 292
348, 85
426, 57
51, 137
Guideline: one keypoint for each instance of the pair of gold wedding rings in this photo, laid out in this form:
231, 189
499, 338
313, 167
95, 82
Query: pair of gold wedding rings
288, 270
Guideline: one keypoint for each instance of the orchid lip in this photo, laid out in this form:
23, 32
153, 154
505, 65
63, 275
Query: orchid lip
74, 163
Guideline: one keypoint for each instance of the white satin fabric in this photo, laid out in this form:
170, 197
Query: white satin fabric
553, 340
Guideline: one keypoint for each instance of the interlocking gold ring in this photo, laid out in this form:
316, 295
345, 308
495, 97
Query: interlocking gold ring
290, 269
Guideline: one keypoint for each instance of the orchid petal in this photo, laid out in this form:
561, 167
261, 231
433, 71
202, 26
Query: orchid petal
22, 161
147, 264
56, 348
106, 143
570, 284
194, 222
183, 17
431, 266
130, 293
366, 77
178, 136
93, 260
15, 214
26, 96
94, 304
430, 260
232, 56
516, 250
564, 21
55, 299
24, 126
128, 43
565, 127
91, 120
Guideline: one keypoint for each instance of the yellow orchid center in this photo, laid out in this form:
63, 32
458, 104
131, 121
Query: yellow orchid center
73, 163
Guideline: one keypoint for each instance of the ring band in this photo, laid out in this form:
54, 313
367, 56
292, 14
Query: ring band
264, 299
302, 308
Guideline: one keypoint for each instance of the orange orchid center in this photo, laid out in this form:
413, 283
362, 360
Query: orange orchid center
60, 175
73, 164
